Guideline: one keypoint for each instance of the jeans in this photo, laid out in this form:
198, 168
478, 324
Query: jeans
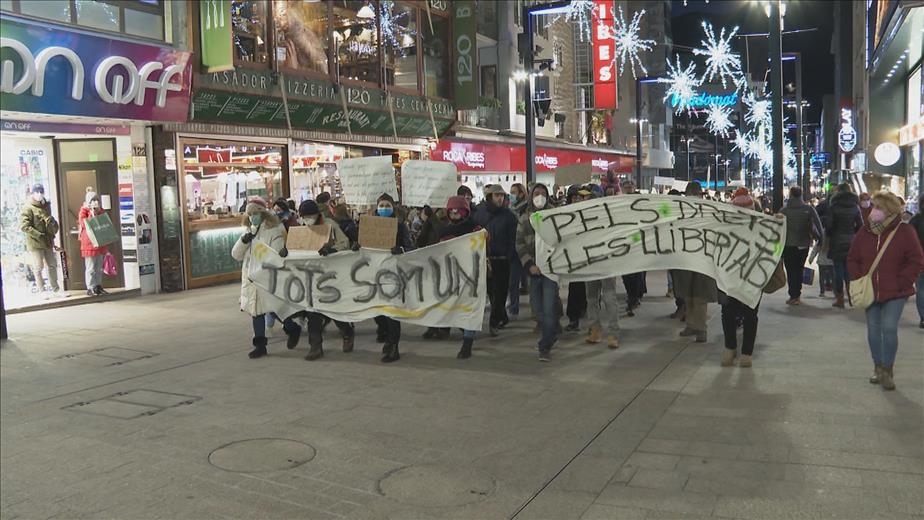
94, 270
919, 297
841, 276
259, 325
42, 258
794, 261
390, 328
543, 295
498, 287
516, 280
882, 330
577, 301
825, 277
468, 334
731, 311
603, 305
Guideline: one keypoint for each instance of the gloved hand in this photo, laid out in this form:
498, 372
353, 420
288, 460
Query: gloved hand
326, 250
355, 246
283, 252
397, 250
248, 236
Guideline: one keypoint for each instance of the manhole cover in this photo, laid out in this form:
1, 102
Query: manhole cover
257, 455
436, 486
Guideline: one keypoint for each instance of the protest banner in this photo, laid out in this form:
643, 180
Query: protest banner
364, 179
377, 232
612, 236
428, 183
307, 238
438, 286
663, 181
679, 185
578, 173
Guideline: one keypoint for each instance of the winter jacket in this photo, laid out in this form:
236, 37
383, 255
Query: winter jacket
526, 235
501, 225
430, 232
38, 225
450, 231
403, 236
690, 285
87, 248
271, 233
900, 264
917, 222
802, 224
842, 222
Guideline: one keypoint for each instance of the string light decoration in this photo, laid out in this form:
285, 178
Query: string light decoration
718, 120
682, 84
580, 13
720, 60
627, 40
758, 111
747, 144
392, 31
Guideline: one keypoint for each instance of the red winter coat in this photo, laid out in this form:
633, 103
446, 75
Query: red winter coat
900, 265
86, 247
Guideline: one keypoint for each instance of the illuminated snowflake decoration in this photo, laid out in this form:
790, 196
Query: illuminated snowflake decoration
721, 61
627, 41
718, 120
682, 84
790, 169
580, 13
392, 30
758, 111
747, 144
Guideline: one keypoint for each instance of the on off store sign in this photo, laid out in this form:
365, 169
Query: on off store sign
604, 49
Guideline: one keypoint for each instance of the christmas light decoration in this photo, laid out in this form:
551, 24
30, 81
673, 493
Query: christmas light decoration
720, 60
747, 144
390, 24
758, 111
580, 13
718, 120
682, 84
627, 40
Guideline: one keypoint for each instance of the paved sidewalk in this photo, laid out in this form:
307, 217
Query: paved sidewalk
149, 408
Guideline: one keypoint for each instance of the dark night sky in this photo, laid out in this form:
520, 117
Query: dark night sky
818, 62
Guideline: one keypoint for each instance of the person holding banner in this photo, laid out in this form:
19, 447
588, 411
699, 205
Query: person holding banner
734, 310
518, 204
577, 291
458, 213
501, 225
93, 256
697, 290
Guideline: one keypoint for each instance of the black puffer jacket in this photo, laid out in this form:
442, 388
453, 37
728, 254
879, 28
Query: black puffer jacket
501, 225
842, 222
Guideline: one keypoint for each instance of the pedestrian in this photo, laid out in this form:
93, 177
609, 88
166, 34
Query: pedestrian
842, 221
634, 283
309, 214
284, 214
917, 222
263, 225
543, 291
802, 227
697, 290
388, 330
325, 203
887, 250
518, 278
40, 229
93, 256
465, 191
735, 311
460, 222
825, 265
603, 311
866, 205
501, 225
577, 291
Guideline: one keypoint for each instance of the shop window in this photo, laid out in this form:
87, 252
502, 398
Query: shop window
48, 9
399, 36
249, 25
436, 60
97, 15
301, 35
144, 24
489, 81
144, 18
487, 18
356, 40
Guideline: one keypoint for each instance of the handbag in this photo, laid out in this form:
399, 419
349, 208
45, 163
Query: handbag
808, 276
860, 291
110, 268
777, 280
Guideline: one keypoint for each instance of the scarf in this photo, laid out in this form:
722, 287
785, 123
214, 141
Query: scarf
878, 228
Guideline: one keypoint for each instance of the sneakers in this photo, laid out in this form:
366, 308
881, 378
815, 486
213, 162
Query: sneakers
573, 326
391, 353
745, 361
545, 356
687, 332
877, 371
315, 352
701, 336
885, 378
728, 357
612, 342
595, 335
794, 301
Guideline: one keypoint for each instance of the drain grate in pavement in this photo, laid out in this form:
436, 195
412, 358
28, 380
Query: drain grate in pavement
132, 404
437, 485
261, 455
109, 356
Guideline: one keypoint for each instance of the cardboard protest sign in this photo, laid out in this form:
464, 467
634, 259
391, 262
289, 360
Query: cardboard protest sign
663, 181
377, 232
680, 186
307, 238
573, 174
428, 183
612, 236
364, 179
438, 286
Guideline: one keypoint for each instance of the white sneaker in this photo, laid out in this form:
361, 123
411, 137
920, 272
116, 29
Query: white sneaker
59, 294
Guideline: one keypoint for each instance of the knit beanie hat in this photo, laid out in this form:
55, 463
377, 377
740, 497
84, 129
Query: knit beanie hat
307, 208
387, 197
459, 203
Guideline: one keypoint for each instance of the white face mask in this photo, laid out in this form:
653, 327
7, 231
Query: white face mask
539, 201
864, 204
307, 221
38, 197
94, 204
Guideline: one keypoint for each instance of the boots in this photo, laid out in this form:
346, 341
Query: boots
612, 342
885, 378
877, 375
838, 300
701, 336
259, 348
728, 357
745, 361
315, 352
292, 336
466, 351
596, 335
391, 353
348, 343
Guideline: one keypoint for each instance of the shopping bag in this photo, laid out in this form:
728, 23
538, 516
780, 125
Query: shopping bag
808, 276
100, 230
110, 268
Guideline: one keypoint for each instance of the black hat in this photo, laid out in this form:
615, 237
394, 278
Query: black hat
387, 197
308, 207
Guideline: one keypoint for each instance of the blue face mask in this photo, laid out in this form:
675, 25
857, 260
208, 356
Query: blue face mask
385, 212
256, 220
513, 198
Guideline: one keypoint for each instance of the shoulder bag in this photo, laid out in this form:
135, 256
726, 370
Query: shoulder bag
861, 290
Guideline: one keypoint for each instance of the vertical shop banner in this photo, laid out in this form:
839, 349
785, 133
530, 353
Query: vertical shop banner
215, 31
143, 211
604, 52
465, 52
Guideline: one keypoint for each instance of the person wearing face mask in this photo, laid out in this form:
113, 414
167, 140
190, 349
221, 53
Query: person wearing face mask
501, 225
388, 329
866, 205
283, 213
261, 224
518, 203
543, 291
459, 223
803, 227
842, 221
40, 229
893, 278
92, 256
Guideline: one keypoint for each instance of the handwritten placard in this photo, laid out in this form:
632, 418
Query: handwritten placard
365, 179
572, 174
428, 183
377, 232
307, 238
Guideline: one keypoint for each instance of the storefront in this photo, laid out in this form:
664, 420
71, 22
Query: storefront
64, 91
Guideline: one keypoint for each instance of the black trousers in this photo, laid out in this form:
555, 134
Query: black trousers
577, 301
636, 287
389, 328
731, 311
316, 327
794, 262
498, 287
